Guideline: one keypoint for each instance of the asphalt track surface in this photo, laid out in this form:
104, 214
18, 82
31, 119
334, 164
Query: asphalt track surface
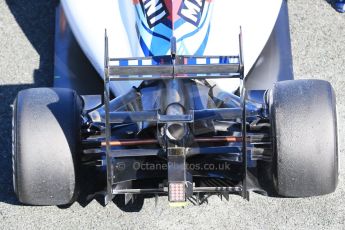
26, 58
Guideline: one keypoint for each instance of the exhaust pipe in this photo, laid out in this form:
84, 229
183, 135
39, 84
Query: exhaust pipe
176, 131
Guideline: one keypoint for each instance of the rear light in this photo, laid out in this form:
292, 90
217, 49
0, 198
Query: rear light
177, 192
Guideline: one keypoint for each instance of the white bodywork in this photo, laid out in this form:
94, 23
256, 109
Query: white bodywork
89, 19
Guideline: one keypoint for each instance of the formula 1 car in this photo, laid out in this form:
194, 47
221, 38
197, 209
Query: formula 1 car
183, 98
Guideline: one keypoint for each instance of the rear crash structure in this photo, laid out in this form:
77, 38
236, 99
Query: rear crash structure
176, 135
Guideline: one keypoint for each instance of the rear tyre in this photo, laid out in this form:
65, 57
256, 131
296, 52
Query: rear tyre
304, 127
46, 136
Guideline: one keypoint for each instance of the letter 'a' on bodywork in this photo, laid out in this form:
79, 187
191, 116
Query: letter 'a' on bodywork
141, 28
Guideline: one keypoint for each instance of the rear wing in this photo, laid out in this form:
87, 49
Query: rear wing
163, 68
173, 66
